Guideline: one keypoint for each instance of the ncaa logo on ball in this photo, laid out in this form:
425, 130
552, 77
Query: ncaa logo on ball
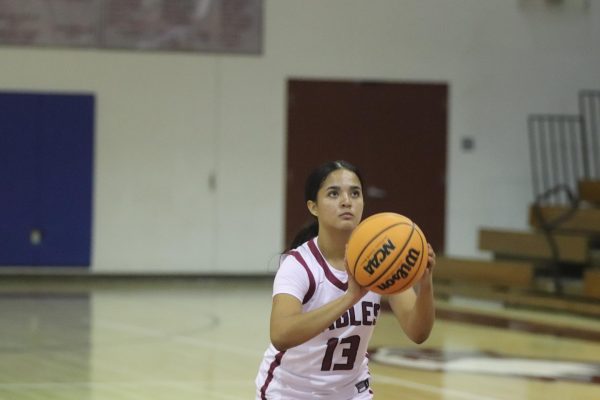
379, 256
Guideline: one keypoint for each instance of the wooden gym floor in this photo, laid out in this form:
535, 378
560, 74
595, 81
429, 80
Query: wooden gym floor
150, 339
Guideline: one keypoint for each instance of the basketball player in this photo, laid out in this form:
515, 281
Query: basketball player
321, 319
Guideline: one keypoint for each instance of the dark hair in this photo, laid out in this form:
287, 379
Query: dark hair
311, 188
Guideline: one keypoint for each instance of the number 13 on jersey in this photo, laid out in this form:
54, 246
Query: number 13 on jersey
347, 348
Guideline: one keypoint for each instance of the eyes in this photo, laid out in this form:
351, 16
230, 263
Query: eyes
335, 193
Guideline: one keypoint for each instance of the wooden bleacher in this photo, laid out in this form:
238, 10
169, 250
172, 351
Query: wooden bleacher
589, 190
511, 284
511, 244
520, 298
517, 275
582, 220
591, 283
493, 273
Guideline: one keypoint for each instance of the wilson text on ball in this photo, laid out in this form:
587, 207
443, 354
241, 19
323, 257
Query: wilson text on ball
409, 262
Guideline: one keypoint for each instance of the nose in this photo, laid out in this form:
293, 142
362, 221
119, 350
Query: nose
345, 199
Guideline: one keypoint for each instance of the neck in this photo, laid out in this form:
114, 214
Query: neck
333, 247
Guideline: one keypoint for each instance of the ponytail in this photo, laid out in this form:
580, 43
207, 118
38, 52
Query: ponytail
305, 234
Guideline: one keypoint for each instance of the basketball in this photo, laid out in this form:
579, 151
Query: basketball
387, 253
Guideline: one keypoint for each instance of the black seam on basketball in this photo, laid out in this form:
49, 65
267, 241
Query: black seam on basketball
372, 217
408, 284
371, 241
395, 259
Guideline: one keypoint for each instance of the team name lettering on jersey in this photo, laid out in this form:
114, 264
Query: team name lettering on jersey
370, 311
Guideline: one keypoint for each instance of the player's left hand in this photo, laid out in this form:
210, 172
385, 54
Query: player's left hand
430, 260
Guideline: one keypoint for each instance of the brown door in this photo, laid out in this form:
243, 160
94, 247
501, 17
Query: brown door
395, 133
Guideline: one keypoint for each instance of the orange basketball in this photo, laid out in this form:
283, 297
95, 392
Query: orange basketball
387, 253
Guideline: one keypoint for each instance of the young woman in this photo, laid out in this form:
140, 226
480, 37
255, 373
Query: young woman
321, 319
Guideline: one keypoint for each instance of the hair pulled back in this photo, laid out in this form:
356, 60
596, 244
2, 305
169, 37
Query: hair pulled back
313, 184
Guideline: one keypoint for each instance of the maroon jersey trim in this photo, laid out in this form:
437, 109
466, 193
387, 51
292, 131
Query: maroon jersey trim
276, 363
311, 279
328, 274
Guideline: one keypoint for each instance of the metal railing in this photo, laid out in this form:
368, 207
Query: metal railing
589, 109
564, 150
557, 146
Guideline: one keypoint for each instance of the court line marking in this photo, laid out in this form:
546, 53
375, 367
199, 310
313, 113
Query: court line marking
189, 386
182, 385
127, 327
154, 382
155, 333
391, 380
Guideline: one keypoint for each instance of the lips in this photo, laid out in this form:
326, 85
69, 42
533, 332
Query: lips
347, 215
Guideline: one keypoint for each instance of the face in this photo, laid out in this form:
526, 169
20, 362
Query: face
339, 204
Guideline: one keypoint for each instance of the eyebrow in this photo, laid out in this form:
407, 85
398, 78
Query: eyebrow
338, 187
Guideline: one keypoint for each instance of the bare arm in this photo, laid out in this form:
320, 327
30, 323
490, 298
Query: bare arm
291, 327
415, 310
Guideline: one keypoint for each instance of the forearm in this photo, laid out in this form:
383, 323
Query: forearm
292, 330
422, 316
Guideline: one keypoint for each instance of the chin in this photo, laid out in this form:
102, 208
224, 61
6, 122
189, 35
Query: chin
348, 225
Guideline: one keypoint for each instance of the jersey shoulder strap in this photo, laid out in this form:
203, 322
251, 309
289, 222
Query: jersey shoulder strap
311, 279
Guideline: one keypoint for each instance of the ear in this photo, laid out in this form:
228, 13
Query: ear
312, 207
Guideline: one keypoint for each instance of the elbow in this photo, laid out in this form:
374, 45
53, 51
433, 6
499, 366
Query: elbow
279, 342
279, 345
420, 338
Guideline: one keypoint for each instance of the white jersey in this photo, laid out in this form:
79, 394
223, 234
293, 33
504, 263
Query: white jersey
334, 364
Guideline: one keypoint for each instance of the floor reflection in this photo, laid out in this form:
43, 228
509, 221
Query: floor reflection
45, 340
132, 339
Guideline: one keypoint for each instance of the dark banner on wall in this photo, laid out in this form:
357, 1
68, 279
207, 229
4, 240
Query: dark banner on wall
224, 26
